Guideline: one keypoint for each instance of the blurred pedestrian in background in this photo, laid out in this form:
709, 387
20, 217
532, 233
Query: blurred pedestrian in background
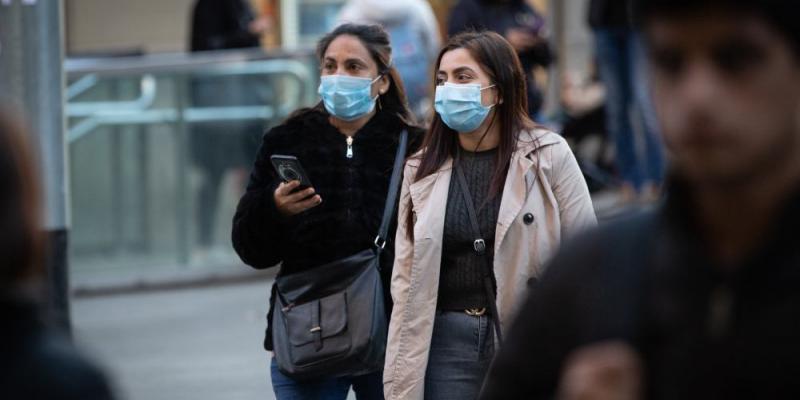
698, 299
36, 362
226, 24
482, 207
520, 24
346, 144
583, 120
621, 59
415, 37
219, 146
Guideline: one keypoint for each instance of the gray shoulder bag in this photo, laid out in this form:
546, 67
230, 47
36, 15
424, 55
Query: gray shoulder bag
330, 321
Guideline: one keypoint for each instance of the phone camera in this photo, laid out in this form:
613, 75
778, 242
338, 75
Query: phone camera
288, 173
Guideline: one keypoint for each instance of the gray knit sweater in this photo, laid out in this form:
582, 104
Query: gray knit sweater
461, 283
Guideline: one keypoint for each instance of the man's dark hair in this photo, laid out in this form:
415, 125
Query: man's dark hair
780, 14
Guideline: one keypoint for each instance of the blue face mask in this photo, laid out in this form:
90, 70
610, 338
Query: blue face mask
347, 97
460, 106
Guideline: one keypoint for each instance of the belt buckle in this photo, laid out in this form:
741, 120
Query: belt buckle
475, 312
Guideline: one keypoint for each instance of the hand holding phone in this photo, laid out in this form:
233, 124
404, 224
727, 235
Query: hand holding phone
290, 201
295, 194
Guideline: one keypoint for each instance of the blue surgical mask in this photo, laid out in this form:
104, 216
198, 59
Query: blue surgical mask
347, 97
460, 106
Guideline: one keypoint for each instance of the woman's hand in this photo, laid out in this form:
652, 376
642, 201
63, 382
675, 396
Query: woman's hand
289, 203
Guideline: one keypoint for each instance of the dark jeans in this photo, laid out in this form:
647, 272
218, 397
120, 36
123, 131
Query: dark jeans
366, 387
620, 57
462, 347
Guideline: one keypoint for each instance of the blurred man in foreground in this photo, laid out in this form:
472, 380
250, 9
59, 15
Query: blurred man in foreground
701, 298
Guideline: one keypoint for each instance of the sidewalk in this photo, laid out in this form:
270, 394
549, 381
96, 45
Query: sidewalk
192, 334
182, 344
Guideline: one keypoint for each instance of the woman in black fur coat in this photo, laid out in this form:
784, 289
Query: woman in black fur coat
346, 145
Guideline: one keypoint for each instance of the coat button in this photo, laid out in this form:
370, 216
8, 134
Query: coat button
528, 219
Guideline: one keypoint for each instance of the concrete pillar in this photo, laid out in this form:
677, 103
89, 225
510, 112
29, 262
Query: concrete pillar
32, 79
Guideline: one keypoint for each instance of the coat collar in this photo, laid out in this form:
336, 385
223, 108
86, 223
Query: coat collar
528, 142
382, 129
434, 187
535, 139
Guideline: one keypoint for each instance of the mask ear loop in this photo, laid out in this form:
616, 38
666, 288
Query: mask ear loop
491, 122
497, 101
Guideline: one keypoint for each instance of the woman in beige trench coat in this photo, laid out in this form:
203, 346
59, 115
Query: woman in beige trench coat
528, 194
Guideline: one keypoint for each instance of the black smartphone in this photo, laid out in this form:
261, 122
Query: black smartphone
289, 169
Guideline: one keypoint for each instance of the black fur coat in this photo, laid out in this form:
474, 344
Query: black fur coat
353, 192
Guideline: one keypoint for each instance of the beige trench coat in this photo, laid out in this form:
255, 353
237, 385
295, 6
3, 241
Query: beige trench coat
555, 193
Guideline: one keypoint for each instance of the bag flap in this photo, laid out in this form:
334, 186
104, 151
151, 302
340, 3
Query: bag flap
330, 311
326, 279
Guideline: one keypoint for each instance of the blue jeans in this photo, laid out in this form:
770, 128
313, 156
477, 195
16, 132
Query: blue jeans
366, 387
621, 61
462, 347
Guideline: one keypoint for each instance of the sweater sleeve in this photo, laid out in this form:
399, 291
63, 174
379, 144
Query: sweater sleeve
258, 227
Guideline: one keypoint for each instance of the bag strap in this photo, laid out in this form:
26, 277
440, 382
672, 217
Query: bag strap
479, 246
391, 196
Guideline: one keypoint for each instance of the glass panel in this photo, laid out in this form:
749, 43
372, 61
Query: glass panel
159, 157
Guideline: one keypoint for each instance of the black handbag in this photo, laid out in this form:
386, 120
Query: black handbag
330, 321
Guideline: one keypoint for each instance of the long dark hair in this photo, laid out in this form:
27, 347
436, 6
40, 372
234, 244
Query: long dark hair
376, 41
21, 239
499, 60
